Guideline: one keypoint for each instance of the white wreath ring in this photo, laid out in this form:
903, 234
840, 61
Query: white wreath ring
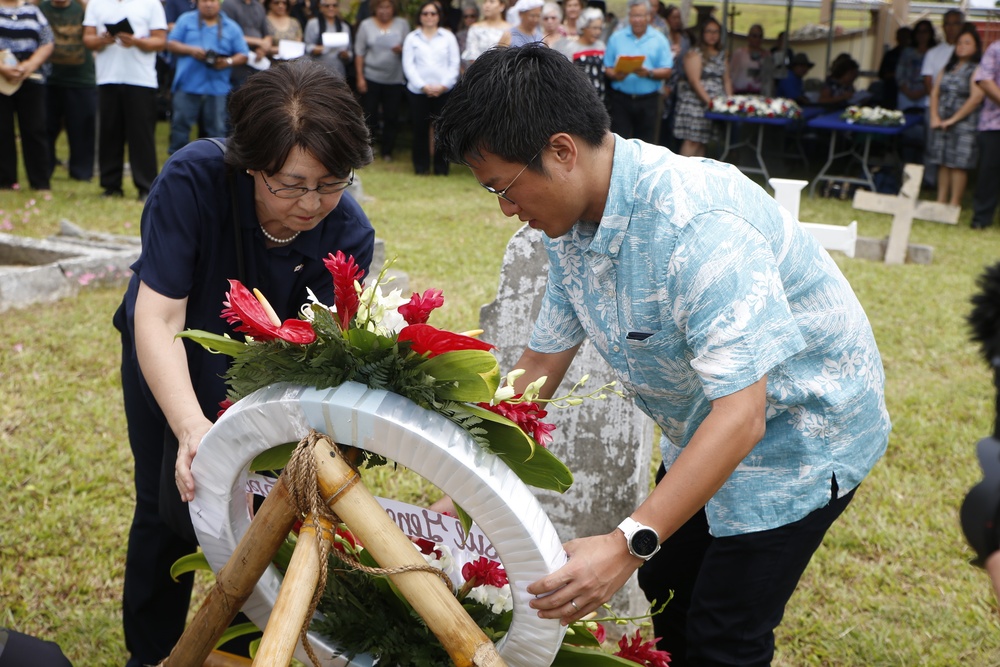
400, 430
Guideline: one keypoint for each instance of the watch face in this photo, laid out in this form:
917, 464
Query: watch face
644, 542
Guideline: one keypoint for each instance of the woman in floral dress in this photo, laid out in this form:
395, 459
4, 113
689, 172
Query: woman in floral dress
705, 77
954, 111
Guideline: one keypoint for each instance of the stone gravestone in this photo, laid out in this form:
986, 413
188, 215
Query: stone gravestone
607, 444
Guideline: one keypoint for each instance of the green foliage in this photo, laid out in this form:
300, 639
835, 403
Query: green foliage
365, 615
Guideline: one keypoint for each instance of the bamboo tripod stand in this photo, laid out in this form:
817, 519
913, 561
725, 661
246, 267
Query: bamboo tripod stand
342, 490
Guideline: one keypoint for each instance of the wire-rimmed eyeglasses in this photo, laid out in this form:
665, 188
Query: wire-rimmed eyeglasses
321, 189
502, 194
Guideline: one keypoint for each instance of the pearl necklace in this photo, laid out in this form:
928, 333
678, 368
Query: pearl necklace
274, 239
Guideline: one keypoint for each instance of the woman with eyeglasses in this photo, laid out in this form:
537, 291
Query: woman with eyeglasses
485, 34
378, 61
329, 37
431, 65
470, 14
265, 207
705, 77
527, 31
284, 26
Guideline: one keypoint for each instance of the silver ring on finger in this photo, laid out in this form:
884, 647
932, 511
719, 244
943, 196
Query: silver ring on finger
573, 602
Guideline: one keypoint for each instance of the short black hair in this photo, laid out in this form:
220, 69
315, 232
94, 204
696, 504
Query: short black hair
512, 100
303, 104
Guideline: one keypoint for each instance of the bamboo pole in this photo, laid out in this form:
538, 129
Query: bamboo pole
427, 594
296, 594
223, 659
236, 580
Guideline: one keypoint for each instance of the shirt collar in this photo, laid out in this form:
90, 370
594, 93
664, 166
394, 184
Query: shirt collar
610, 234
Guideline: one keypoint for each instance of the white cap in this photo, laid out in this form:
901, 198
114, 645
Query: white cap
527, 5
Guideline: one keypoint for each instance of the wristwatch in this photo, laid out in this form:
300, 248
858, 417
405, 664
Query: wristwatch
229, 61
643, 542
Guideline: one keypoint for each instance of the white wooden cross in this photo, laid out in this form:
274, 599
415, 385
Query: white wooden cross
904, 208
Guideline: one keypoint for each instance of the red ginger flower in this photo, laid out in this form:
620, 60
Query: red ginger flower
257, 318
642, 653
425, 339
600, 634
345, 297
528, 416
419, 309
484, 572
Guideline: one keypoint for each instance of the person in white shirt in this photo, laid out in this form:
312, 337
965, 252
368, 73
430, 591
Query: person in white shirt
431, 64
125, 63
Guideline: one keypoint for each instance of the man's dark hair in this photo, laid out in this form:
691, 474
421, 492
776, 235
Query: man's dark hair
512, 100
302, 104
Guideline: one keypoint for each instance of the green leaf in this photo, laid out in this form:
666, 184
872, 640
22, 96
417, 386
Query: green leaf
238, 630
579, 634
516, 448
189, 563
214, 342
464, 518
275, 458
576, 656
464, 375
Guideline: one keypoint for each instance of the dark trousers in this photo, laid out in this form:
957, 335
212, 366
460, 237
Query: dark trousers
730, 592
388, 97
29, 105
987, 196
635, 116
422, 110
18, 650
127, 115
154, 606
76, 110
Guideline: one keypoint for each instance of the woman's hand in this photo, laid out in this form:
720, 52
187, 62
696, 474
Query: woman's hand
362, 85
191, 433
13, 73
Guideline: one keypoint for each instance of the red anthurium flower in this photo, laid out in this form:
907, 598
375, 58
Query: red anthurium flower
642, 653
427, 547
600, 634
225, 405
425, 339
528, 416
418, 310
484, 572
345, 298
258, 319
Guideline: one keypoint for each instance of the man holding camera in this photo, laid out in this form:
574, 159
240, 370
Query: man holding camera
207, 44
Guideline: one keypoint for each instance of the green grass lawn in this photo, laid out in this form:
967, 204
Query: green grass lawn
890, 586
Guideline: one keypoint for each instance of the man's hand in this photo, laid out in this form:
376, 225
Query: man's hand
598, 567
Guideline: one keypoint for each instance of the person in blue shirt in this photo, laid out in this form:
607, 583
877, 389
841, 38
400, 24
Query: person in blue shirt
208, 44
722, 318
635, 95
792, 86
264, 207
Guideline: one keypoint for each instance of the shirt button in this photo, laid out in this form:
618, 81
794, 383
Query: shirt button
617, 349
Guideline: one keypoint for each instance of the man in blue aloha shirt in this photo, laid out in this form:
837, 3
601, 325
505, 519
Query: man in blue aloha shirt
726, 322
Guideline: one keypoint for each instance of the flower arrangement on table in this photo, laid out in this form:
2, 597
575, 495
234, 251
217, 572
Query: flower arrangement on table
756, 106
873, 116
384, 341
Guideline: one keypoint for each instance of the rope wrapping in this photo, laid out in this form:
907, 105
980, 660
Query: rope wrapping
300, 476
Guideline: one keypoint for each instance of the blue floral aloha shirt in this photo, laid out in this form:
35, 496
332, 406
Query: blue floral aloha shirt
696, 284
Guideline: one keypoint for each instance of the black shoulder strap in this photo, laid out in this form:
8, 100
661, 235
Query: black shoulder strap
237, 230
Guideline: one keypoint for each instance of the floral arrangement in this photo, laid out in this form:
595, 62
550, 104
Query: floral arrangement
384, 341
873, 116
756, 106
392, 632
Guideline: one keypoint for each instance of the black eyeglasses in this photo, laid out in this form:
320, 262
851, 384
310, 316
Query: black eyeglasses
502, 194
322, 188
